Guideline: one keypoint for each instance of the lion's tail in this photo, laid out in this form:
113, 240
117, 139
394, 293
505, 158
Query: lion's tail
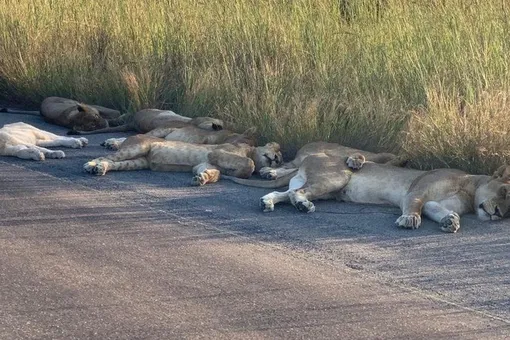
277, 183
120, 128
22, 112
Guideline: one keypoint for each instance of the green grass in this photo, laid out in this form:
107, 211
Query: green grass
424, 78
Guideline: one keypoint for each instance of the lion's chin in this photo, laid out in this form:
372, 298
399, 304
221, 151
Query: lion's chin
485, 216
482, 215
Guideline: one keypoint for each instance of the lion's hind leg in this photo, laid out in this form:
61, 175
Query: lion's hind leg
23, 152
268, 201
321, 187
68, 142
232, 164
205, 173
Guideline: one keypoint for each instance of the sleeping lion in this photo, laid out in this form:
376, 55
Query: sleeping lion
206, 161
28, 142
442, 195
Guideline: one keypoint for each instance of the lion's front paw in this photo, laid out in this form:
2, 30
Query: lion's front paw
450, 223
411, 221
78, 143
266, 204
57, 154
356, 161
268, 173
305, 206
97, 168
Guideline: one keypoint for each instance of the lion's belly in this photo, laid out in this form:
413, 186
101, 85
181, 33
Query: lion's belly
173, 158
361, 189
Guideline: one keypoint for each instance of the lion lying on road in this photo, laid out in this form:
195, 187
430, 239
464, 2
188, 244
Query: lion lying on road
442, 195
281, 176
27, 142
206, 161
149, 119
72, 114
192, 134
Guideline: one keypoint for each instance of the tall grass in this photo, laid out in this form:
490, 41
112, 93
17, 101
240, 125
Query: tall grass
425, 78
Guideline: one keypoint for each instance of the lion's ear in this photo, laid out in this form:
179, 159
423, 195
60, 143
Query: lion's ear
81, 108
503, 173
273, 145
217, 127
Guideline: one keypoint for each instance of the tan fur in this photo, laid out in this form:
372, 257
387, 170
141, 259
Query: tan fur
281, 176
192, 134
27, 142
206, 161
74, 115
147, 120
442, 195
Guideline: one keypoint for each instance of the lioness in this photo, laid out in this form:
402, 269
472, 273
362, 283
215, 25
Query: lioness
149, 119
192, 134
281, 176
28, 142
206, 161
72, 114
442, 195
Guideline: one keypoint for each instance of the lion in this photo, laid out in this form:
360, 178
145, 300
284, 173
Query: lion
281, 176
442, 195
28, 142
192, 134
147, 120
206, 161
72, 114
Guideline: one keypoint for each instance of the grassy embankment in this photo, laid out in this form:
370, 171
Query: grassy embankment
425, 78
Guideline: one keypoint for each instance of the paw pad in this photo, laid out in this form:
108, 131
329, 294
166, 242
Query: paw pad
450, 223
266, 204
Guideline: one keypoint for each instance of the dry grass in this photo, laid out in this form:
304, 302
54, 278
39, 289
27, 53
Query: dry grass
424, 78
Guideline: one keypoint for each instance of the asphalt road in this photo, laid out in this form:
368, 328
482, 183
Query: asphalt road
142, 255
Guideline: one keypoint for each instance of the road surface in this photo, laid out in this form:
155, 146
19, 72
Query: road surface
143, 255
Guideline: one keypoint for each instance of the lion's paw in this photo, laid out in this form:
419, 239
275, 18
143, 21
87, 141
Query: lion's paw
78, 143
450, 223
199, 179
305, 206
266, 204
34, 154
111, 144
97, 168
268, 173
411, 221
356, 161
84, 141
57, 154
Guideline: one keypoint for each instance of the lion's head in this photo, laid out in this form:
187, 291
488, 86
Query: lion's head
86, 118
267, 155
207, 123
492, 199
